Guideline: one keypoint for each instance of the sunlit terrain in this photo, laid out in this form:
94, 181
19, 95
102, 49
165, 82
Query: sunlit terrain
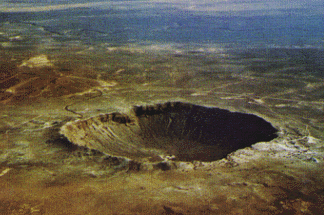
181, 108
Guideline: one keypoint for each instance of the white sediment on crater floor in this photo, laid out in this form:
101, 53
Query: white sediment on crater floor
38, 61
6, 44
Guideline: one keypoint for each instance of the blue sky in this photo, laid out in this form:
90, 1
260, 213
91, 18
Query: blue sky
208, 6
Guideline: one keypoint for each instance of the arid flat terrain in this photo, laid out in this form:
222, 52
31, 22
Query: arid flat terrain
96, 128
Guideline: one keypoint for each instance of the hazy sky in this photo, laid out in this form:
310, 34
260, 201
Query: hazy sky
313, 6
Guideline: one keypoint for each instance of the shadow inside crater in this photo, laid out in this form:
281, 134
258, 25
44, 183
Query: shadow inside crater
201, 133
188, 132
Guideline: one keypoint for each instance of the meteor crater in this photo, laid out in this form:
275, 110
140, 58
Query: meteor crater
185, 131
